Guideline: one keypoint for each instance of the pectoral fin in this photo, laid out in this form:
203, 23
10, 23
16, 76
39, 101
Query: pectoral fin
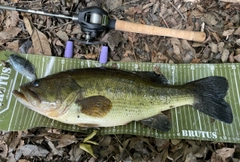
160, 122
95, 106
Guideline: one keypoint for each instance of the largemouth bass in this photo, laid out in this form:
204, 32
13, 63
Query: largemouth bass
97, 97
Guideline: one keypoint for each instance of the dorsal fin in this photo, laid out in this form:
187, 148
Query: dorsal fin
152, 76
95, 106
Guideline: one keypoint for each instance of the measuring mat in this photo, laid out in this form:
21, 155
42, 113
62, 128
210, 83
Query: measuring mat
187, 123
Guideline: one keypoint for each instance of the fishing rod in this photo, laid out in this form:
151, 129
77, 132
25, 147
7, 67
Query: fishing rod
95, 20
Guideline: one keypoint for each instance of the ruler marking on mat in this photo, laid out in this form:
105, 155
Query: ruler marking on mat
14, 83
235, 80
226, 130
173, 82
227, 70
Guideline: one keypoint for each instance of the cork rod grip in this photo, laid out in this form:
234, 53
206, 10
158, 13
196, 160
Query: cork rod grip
160, 31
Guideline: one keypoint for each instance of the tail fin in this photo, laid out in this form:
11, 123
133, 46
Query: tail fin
209, 97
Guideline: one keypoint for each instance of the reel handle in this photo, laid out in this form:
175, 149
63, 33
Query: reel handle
160, 31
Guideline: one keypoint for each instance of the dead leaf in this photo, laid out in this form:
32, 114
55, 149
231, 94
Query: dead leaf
13, 18
3, 149
75, 153
187, 56
225, 55
237, 32
66, 140
39, 40
222, 154
226, 33
132, 37
112, 4
106, 151
190, 158
147, 47
210, 19
156, 7
33, 150
188, 52
237, 58
238, 42
197, 13
216, 36
23, 160
59, 43
40, 43
214, 47
62, 35
130, 11
15, 139
106, 141
9, 33
237, 51
11, 157
28, 25
76, 30
147, 6
113, 39
175, 142
91, 56
126, 59
49, 22
176, 46
231, 57
54, 151
13, 46
220, 47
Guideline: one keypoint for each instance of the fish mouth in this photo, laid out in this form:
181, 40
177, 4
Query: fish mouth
19, 95
27, 97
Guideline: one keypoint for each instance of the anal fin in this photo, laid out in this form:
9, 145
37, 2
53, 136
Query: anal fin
95, 106
160, 122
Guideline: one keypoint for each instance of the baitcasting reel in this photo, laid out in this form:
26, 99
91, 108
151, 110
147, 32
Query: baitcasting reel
94, 21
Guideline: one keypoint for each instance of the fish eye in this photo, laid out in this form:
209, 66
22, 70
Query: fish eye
36, 83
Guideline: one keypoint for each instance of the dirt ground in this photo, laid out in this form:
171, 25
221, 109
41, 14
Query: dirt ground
29, 33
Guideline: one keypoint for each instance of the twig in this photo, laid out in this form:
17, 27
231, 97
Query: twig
122, 145
163, 19
183, 17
